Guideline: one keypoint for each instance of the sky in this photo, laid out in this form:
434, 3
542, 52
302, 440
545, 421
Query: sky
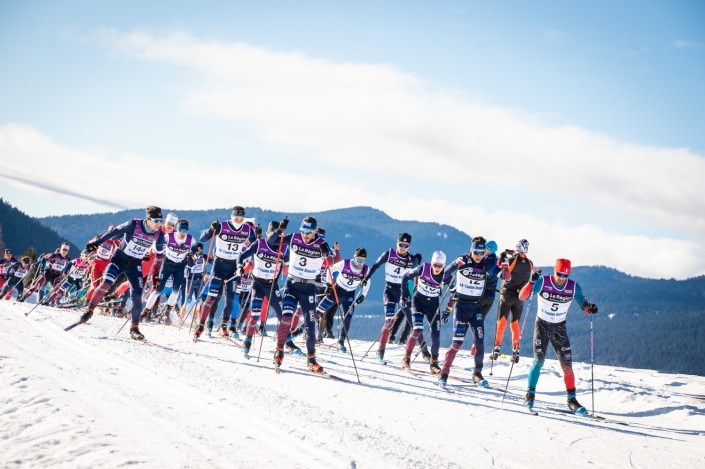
92, 397
576, 126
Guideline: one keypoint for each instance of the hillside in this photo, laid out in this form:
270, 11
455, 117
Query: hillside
94, 398
29, 236
645, 323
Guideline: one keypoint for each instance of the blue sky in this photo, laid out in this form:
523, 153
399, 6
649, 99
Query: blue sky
576, 125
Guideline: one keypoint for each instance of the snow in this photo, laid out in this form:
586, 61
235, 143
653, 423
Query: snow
91, 397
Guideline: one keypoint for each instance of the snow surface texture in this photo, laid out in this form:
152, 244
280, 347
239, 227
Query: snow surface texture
91, 398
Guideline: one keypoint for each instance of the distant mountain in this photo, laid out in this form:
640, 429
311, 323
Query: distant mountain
642, 323
26, 235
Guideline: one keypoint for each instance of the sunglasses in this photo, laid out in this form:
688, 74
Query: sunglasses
478, 253
183, 230
306, 232
237, 215
403, 245
157, 221
359, 260
437, 266
561, 275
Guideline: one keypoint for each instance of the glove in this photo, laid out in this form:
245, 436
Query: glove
364, 282
155, 282
591, 308
283, 224
446, 314
258, 231
147, 257
535, 276
92, 246
360, 299
325, 250
405, 302
214, 226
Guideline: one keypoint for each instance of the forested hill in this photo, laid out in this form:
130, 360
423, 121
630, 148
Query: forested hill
28, 236
642, 323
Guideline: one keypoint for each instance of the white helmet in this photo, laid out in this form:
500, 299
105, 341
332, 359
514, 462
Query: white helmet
438, 257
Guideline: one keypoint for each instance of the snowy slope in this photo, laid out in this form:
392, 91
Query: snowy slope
93, 398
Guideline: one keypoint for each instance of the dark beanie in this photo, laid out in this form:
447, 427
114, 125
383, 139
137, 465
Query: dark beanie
154, 212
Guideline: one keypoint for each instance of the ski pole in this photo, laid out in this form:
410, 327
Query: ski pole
345, 330
495, 327
592, 366
275, 281
528, 308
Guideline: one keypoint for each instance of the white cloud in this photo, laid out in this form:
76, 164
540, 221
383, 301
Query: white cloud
343, 134
687, 44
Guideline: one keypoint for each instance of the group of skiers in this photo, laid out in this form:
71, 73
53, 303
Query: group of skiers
247, 265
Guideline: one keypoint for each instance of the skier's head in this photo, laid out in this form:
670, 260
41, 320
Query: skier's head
182, 228
478, 248
491, 247
8, 252
438, 261
170, 222
308, 229
25, 259
360, 256
199, 247
155, 213
237, 216
272, 227
522, 246
65, 248
561, 271
403, 242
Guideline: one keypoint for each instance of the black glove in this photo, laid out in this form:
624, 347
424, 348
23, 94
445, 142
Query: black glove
325, 250
92, 246
535, 276
155, 282
446, 314
214, 226
364, 282
258, 231
591, 308
405, 302
283, 224
360, 299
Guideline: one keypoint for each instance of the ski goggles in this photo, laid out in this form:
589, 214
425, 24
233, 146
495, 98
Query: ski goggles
157, 221
478, 253
562, 275
437, 266
359, 260
237, 214
306, 232
403, 245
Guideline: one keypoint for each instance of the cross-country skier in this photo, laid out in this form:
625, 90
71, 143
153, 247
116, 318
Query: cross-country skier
5, 263
13, 278
554, 295
430, 279
397, 261
56, 263
138, 236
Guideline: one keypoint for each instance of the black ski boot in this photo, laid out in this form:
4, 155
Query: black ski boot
435, 369
278, 358
135, 332
573, 403
313, 365
87, 315
515, 355
166, 315
406, 362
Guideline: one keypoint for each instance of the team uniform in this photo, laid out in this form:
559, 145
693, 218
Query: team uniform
424, 303
137, 240
55, 264
14, 274
74, 274
230, 240
5, 264
100, 263
267, 262
395, 266
554, 300
347, 277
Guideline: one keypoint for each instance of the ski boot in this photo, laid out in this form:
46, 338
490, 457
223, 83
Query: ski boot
278, 358
263, 331
515, 355
135, 332
209, 327
573, 403
166, 315
478, 379
197, 333
380, 355
435, 369
341, 345
313, 365
246, 347
494, 355
426, 356
391, 339
224, 331
87, 315
406, 362
442, 380
292, 347
529, 398
147, 314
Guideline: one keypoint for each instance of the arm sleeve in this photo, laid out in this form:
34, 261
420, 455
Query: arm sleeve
380, 260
